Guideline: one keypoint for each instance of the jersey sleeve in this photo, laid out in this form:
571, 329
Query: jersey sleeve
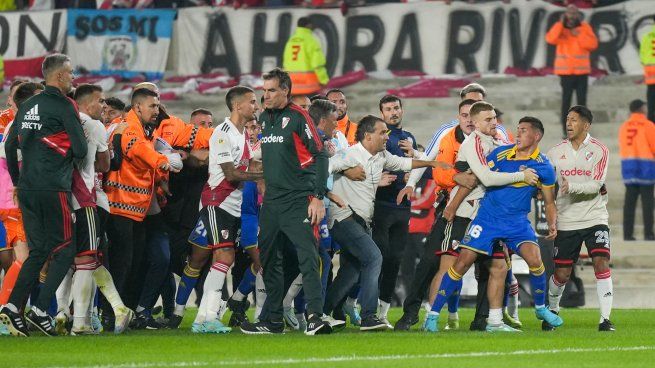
547, 175
474, 154
220, 148
98, 135
430, 153
73, 127
309, 138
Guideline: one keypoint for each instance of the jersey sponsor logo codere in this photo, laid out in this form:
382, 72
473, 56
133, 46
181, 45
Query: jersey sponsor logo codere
32, 115
575, 172
272, 139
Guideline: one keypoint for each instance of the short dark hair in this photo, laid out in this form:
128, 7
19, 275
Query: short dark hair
366, 125
320, 109
16, 82
583, 112
282, 77
472, 87
636, 105
466, 102
127, 108
25, 91
390, 98
317, 96
115, 103
234, 93
53, 62
201, 111
534, 122
141, 93
84, 90
334, 90
479, 107
304, 21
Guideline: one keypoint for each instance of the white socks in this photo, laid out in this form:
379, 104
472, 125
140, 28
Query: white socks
212, 290
555, 291
63, 293
605, 292
105, 283
495, 317
384, 309
82, 294
293, 292
260, 294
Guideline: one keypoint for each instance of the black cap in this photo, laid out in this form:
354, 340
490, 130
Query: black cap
636, 105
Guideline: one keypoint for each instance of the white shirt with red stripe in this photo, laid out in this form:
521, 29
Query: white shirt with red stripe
474, 151
585, 169
84, 173
227, 144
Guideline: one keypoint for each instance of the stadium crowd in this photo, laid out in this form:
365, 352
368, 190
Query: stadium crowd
103, 203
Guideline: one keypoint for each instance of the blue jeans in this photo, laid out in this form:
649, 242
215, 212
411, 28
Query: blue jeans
361, 261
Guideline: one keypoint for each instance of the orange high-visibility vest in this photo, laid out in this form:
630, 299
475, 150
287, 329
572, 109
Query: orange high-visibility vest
130, 188
572, 48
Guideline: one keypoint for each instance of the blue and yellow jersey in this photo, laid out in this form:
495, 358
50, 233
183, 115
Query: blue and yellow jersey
515, 199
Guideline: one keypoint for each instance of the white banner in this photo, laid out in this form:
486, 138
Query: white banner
26, 37
430, 37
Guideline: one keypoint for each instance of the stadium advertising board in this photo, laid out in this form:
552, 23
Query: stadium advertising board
120, 42
431, 37
26, 37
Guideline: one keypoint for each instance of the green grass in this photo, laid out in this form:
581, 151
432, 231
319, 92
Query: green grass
576, 344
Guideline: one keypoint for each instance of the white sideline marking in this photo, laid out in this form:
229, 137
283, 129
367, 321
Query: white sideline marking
363, 358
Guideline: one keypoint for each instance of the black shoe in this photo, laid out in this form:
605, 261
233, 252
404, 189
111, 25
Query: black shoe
545, 326
263, 328
14, 322
405, 322
629, 238
238, 306
649, 237
316, 326
606, 325
144, 322
156, 310
237, 319
175, 321
44, 324
479, 324
373, 323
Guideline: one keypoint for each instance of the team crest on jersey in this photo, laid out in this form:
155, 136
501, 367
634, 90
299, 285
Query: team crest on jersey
588, 155
563, 157
263, 125
225, 234
285, 121
455, 244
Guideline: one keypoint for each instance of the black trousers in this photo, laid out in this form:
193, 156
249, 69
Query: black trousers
425, 271
390, 229
127, 247
650, 98
570, 83
50, 231
632, 193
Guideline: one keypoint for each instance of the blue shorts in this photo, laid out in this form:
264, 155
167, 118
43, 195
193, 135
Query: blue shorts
485, 230
3, 236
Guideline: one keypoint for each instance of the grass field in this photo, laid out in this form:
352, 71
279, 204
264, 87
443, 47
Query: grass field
577, 344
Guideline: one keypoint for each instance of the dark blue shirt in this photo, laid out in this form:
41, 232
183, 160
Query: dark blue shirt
386, 196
